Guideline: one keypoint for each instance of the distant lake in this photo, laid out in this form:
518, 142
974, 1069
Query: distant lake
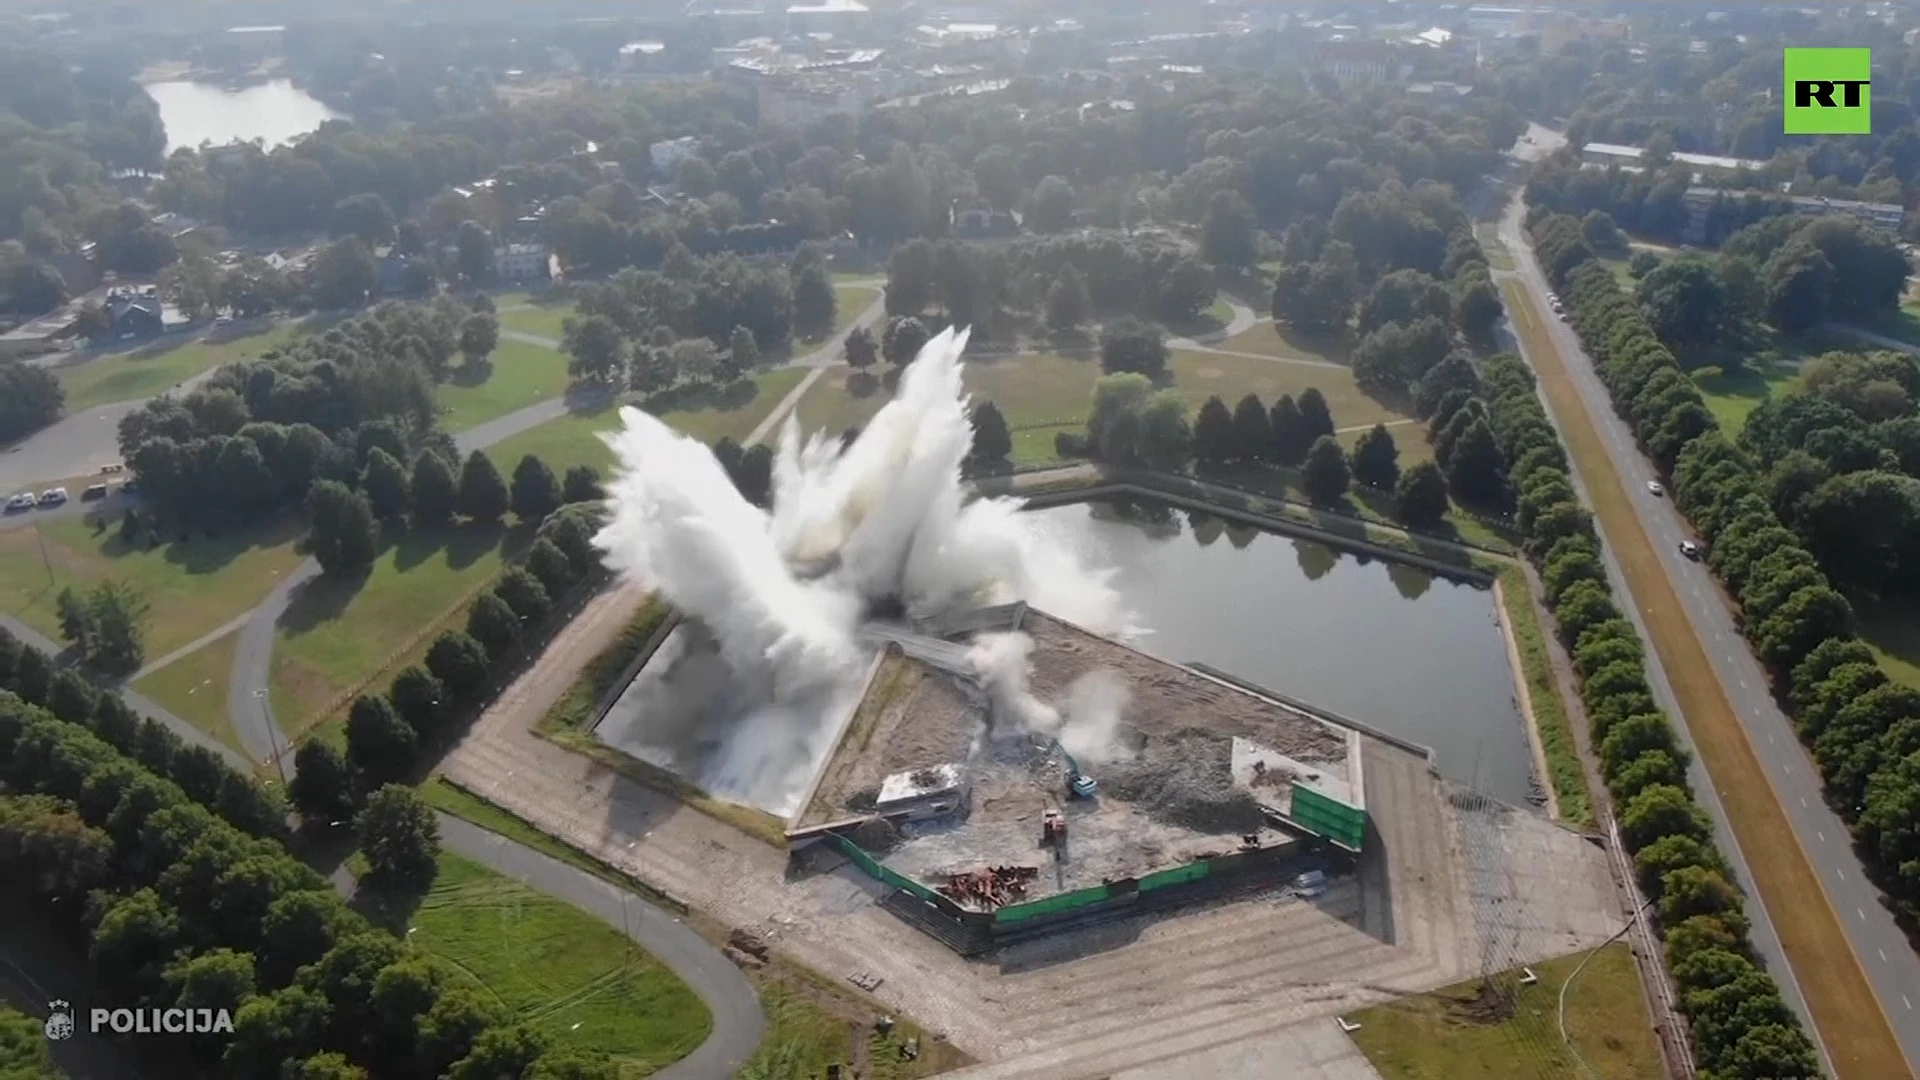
273, 112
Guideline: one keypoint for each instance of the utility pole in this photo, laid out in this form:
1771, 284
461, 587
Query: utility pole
273, 735
41, 537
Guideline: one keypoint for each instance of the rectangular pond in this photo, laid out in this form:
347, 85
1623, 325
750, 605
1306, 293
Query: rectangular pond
1389, 645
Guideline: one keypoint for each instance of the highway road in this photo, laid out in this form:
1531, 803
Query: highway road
1890, 963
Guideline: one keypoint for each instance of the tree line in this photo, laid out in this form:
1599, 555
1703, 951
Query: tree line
175, 907
1861, 728
258, 432
651, 330
1738, 1022
427, 703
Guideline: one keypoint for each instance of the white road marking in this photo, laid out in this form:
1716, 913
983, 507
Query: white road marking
1769, 738
1841, 874
1803, 801
1821, 835
1904, 1001
1883, 956
1860, 912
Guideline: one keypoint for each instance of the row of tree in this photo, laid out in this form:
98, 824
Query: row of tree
1841, 454
1060, 283
203, 775
428, 702
175, 908
345, 520
259, 431
1798, 624
1739, 1024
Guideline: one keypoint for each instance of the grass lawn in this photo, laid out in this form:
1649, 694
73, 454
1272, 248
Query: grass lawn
337, 634
1893, 632
1851, 1024
1463, 1033
152, 368
578, 980
449, 799
849, 301
544, 319
1285, 343
574, 439
575, 707
520, 375
1732, 395
1496, 249
195, 688
193, 585
1543, 693
1903, 325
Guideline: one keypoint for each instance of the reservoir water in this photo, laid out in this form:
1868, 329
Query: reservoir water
1389, 645
274, 112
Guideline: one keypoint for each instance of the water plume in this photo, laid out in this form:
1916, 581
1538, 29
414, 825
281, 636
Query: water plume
884, 524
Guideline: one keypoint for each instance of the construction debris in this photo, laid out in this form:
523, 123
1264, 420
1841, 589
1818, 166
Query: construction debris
993, 887
748, 944
1186, 779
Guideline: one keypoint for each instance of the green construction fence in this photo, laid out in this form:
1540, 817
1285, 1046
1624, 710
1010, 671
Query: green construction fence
1344, 825
879, 872
1051, 905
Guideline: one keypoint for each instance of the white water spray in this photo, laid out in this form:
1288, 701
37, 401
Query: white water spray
885, 520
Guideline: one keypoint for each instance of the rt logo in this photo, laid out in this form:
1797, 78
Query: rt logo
1829, 92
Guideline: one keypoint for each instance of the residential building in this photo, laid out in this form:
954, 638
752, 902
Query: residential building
134, 314
1603, 154
525, 263
1360, 61
1700, 202
395, 268
666, 156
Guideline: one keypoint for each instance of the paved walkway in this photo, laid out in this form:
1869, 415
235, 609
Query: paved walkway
140, 703
738, 1023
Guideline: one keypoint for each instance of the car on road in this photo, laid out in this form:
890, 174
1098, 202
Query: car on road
22, 501
1654, 488
93, 492
1690, 549
53, 496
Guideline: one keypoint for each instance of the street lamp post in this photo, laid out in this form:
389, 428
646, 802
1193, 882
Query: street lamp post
273, 735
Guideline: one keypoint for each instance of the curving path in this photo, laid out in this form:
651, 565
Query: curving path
738, 1022
249, 701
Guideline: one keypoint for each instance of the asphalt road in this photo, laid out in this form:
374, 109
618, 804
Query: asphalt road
1890, 963
738, 1023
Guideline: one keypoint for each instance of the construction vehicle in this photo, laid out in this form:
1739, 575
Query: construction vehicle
1079, 784
1053, 829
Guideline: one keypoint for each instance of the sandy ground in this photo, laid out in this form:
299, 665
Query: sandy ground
1438, 897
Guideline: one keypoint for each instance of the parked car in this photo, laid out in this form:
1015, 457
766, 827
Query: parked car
93, 492
22, 501
53, 496
1654, 488
1690, 549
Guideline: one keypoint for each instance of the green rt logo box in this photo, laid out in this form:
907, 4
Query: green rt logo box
1829, 91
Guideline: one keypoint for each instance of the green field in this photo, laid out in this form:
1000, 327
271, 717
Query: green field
574, 439
1902, 325
520, 375
1732, 395
1510, 1030
1892, 630
1285, 343
848, 302
194, 687
578, 980
193, 585
544, 319
1043, 394
337, 634
152, 368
